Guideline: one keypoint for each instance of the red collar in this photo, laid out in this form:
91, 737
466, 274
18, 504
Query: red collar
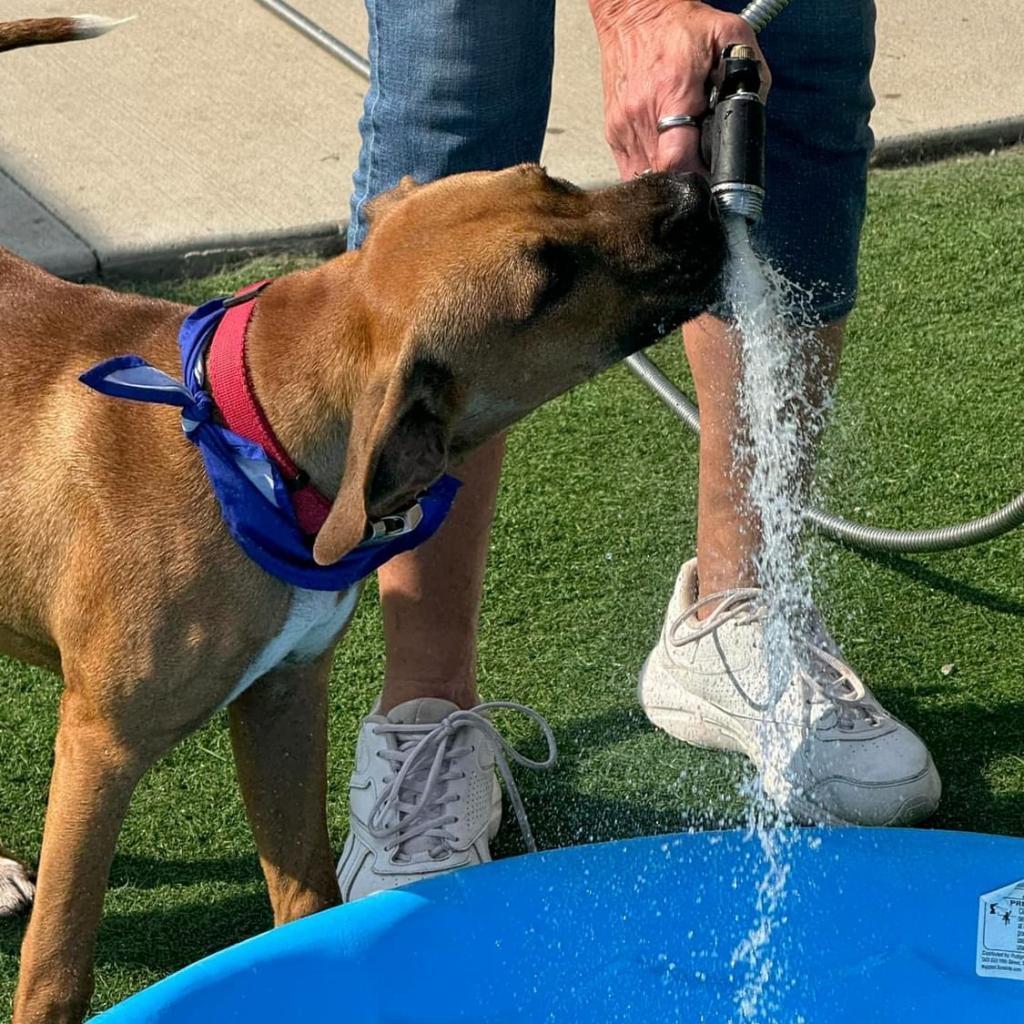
233, 393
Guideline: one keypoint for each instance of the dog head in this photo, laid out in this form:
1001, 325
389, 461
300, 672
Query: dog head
490, 293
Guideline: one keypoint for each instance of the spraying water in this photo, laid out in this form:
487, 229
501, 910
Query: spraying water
773, 455
778, 417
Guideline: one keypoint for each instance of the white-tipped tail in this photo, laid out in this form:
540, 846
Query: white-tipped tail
88, 25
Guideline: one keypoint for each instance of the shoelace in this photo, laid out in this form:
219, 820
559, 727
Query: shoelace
425, 763
845, 691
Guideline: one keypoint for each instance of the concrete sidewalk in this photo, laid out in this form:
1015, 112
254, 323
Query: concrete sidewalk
203, 129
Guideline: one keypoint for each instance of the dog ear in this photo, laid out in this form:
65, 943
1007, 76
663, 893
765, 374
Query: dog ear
397, 447
385, 200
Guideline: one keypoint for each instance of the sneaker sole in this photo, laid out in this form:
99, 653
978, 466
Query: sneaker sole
494, 825
341, 867
702, 724
909, 810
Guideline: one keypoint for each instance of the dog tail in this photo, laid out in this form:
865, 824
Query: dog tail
39, 31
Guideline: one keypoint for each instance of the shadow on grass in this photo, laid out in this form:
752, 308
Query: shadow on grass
966, 740
562, 813
165, 939
946, 584
142, 872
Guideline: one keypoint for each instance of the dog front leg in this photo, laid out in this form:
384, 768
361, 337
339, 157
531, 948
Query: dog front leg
279, 736
93, 779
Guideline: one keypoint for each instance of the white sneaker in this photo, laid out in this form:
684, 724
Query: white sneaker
424, 798
827, 750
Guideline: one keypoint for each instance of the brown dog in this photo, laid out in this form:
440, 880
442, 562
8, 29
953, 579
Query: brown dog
473, 300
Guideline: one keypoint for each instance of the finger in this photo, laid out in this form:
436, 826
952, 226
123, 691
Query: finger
679, 150
621, 163
639, 130
630, 157
731, 30
629, 165
634, 165
766, 76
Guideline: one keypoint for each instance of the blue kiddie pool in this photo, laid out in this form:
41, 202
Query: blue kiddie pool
872, 926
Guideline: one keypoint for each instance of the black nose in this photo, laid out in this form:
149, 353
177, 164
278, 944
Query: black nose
688, 211
689, 187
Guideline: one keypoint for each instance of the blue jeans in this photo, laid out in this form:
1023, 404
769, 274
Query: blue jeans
460, 85
455, 85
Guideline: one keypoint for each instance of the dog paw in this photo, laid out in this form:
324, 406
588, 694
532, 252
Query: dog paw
17, 888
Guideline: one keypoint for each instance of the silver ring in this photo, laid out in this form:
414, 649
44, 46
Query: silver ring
678, 121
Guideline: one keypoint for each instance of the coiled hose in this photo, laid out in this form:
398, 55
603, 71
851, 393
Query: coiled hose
859, 535
873, 538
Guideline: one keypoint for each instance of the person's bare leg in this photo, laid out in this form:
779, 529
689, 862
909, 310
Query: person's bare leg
430, 596
715, 689
727, 530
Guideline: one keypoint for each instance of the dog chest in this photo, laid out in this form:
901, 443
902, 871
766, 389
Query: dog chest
314, 620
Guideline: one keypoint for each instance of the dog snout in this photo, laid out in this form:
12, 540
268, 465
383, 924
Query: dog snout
688, 214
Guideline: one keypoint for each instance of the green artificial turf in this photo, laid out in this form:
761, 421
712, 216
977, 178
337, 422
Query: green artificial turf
596, 513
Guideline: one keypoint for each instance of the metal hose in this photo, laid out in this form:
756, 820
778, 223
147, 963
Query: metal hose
760, 12
874, 538
319, 35
858, 535
941, 538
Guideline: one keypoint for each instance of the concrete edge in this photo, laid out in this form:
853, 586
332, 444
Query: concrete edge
941, 143
198, 259
75, 259
328, 239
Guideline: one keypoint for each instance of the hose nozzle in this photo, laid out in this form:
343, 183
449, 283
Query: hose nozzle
733, 135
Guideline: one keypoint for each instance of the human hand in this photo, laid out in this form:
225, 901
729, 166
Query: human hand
656, 58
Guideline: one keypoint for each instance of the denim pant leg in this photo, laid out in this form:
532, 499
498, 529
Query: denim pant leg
818, 146
456, 85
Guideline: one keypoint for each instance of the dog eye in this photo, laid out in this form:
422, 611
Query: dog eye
559, 270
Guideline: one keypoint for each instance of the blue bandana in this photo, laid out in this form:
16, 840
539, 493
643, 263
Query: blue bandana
253, 497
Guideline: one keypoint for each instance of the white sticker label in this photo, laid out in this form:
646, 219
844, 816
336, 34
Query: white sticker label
1001, 933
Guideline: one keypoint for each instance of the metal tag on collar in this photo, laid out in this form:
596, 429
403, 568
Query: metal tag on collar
395, 525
